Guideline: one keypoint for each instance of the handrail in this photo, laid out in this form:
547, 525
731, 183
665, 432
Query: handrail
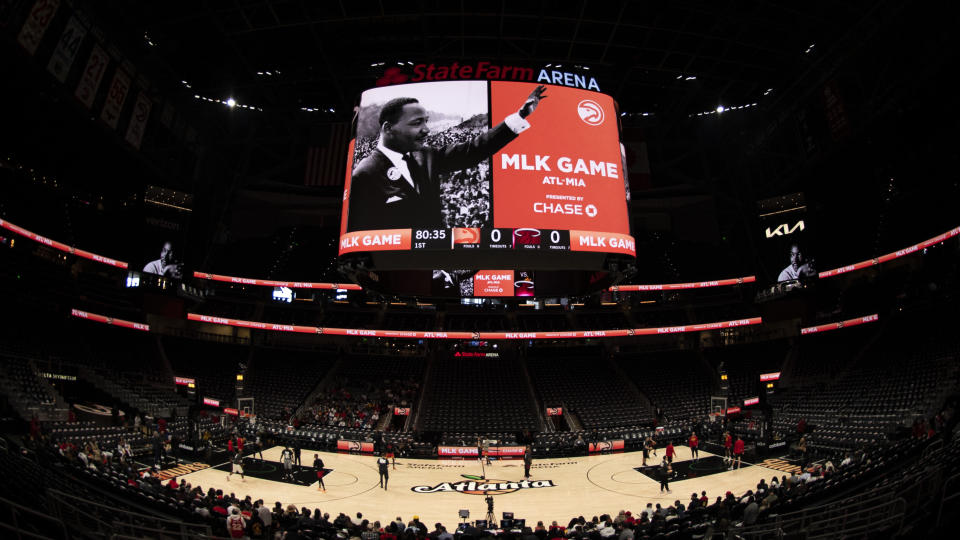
16, 508
944, 498
124, 519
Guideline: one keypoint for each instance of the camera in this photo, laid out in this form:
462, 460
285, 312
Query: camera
489, 499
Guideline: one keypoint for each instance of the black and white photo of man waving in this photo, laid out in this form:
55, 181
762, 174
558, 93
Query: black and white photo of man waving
397, 185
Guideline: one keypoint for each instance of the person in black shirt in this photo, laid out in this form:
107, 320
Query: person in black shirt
383, 464
664, 474
318, 465
296, 453
527, 462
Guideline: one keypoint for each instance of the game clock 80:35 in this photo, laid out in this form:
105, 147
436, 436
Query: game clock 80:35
432, 239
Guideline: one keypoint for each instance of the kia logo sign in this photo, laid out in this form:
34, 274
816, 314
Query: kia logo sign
590, 112
784, 229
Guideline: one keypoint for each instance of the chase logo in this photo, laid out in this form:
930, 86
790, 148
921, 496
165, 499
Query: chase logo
590, 112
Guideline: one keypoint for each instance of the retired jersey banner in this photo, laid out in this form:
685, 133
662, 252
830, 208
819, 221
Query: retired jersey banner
36, 24
116, 97
92, 75
66, 52
138, 122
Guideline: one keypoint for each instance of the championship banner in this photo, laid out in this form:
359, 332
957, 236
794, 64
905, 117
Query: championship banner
573, 334
272, 283
355, 446
66, 52
92, 75
116, 96
893, 255
682, 286
381, 240
605, 446
138, 122
36, 24
109, 320
838, 325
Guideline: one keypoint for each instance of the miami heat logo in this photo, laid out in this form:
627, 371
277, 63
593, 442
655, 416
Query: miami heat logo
590, 112
477, 485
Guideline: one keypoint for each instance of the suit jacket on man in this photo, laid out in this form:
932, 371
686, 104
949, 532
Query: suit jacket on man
418, 206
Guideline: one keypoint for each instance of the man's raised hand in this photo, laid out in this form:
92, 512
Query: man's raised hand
532, 101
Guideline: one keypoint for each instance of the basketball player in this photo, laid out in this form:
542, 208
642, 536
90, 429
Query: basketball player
318, 465
286, 457
646, 451
727, 447
383, 466
737, 451
236, 467
694, 444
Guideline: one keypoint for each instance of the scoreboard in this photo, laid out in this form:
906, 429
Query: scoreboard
448, 177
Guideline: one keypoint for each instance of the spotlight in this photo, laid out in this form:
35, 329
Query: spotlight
231, 103
720, 109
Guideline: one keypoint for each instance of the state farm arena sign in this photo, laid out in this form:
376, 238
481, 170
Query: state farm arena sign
484, 71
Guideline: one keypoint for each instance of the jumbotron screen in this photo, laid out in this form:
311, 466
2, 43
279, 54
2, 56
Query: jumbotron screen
474, 167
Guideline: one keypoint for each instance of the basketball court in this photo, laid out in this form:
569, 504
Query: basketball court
436, 490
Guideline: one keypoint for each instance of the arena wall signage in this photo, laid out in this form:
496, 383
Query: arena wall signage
484, 70
273, 283
838, 325
471, 451
109, 320
573, 334
681, 286
61, 246
355, 446
606, 446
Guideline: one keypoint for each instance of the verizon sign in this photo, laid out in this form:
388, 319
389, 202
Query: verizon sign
784, 229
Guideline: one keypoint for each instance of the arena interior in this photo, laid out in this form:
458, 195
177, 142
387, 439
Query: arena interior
200, 341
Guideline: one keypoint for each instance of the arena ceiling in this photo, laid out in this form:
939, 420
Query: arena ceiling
668, 58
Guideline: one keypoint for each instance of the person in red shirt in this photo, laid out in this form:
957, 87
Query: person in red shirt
240, 442
670, 452
727, 444
737, 452
236, 525
230, 446
694, 443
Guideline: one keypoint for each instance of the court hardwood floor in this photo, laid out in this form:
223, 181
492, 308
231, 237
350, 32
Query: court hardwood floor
568, 487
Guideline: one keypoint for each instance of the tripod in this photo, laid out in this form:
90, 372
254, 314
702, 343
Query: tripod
491, 517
